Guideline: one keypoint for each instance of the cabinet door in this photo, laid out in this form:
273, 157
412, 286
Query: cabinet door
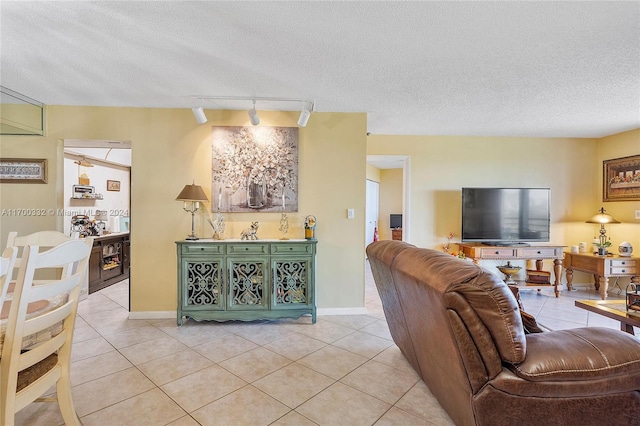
126, 250
95, 264
292, 284
202, 284
248, 287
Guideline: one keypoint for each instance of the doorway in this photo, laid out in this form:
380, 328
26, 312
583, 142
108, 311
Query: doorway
96, 203
385, 207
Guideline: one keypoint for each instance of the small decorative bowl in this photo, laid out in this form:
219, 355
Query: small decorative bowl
509, 270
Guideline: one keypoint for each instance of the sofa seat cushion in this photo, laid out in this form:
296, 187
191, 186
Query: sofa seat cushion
608, 362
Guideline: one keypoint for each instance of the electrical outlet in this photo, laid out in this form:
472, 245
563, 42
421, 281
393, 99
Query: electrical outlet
351, 213
637, 214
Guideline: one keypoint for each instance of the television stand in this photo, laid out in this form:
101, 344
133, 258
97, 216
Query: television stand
478, 252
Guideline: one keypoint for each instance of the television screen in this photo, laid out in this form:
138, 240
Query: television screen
505, 215
395, 221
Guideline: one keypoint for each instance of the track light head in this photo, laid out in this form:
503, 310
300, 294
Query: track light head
304, 118
199, 114
253, 115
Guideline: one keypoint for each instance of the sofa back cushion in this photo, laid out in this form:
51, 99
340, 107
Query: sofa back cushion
486, 294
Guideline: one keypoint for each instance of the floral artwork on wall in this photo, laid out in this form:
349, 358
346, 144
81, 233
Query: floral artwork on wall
254, 169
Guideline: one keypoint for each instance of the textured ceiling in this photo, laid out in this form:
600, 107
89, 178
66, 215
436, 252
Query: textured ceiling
553, 69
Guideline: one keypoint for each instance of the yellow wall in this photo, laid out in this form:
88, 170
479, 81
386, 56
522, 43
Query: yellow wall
441, 165
373, 173
616, 146
169, 150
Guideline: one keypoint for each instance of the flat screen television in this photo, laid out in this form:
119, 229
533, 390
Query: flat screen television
395, 221
505, 216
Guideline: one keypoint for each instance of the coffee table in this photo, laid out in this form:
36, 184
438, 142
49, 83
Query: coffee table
614, 309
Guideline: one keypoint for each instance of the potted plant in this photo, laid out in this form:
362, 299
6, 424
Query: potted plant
602, 248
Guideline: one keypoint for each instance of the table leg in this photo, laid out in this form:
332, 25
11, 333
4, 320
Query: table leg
569, 279
627, 328
557, 272
604, 285
596, 282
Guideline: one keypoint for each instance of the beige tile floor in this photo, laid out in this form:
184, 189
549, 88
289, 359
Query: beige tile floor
344, 370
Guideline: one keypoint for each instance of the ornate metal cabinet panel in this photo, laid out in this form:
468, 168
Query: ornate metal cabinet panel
246, 280
247, 283
291, 278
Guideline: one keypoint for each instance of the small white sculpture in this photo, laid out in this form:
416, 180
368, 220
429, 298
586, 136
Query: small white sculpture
250, 233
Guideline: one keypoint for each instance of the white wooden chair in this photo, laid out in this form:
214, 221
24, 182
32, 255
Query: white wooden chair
27, 373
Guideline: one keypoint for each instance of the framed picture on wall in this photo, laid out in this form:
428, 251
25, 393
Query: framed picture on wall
621, 179
23, 170
113, 185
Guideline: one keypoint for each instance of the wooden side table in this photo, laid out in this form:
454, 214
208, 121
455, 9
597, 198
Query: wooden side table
396, 234
602, 267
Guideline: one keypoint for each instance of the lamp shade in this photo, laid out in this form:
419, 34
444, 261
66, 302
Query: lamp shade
602, 218
192, 192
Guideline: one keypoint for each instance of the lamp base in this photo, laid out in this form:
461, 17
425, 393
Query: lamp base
192, 238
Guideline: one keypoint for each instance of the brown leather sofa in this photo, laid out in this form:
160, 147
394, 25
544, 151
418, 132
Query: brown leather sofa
459, 326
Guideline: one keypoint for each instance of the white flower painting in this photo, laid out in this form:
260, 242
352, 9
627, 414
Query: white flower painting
254, 169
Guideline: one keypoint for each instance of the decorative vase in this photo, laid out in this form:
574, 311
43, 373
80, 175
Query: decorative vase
256, 193
625, 249
602, 251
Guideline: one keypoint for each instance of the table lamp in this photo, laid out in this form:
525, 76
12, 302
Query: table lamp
602, 218
192, 194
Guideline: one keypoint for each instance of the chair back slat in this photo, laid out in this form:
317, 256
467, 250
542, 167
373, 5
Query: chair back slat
41, 238
40, 352
48, 289
47, 319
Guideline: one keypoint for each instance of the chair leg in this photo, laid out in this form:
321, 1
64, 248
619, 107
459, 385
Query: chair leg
63, 390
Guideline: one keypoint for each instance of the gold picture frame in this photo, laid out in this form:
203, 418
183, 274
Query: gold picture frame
23, 170
113, 185
621, 179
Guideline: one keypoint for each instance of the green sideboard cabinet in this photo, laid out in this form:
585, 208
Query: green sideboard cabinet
223, 280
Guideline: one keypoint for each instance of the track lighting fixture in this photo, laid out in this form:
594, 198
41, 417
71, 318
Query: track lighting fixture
304, 118
253, 115
199, 113
308, 107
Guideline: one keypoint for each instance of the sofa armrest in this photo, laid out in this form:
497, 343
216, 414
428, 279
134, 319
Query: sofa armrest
580, 354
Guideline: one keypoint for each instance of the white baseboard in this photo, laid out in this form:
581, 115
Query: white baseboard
172, 314
342, 311
153, 315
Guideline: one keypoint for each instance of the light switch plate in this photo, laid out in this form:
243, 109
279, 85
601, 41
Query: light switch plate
351, 213
637, 214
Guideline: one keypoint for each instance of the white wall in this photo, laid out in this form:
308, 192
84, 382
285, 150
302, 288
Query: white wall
116, 203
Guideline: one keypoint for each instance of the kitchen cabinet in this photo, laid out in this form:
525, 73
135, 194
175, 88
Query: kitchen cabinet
109, 262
